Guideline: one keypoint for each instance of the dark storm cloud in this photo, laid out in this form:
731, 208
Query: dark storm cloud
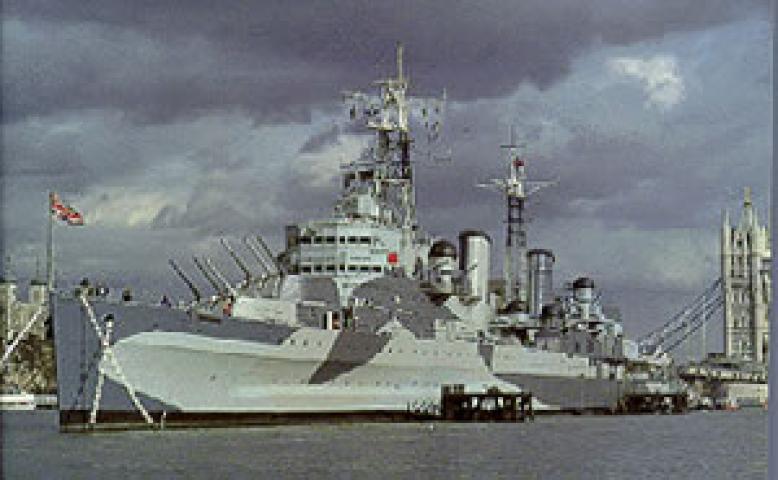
161, 60
196, 115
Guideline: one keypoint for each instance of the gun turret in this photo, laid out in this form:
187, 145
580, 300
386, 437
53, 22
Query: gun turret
195, 291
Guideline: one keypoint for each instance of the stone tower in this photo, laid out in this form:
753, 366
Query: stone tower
745, 274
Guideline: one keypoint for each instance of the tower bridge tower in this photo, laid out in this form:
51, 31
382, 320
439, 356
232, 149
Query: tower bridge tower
746, 283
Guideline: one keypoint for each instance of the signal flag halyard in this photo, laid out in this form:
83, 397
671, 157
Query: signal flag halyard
63, 212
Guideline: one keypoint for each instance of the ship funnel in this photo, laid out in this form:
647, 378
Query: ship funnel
221, 277
195, 291
208, 275
237, 259
474, 259
540, 280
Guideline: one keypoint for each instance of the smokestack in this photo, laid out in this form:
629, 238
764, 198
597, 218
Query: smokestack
474, 252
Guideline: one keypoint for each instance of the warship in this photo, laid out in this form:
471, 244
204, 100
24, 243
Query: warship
363, 315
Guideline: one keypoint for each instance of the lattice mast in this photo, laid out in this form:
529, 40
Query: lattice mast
385, 169
515, 189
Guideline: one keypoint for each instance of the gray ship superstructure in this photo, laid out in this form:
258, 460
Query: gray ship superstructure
362, 315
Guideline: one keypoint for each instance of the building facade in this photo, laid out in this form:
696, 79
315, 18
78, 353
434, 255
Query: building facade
30, 367
15, 314
746, 283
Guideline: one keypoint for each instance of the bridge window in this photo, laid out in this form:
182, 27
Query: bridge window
306, 269
376, 268
330, 240
330, 268
342, 239
305, 240
364, 240
317, 268
318, 240
352, 240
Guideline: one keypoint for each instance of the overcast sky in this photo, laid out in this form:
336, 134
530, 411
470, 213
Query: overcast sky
170, 124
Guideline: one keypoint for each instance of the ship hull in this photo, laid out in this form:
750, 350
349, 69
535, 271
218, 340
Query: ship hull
188, 372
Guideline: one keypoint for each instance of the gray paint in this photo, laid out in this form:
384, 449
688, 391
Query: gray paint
486, 352
350, 350
77, 345
570, 393
401, 298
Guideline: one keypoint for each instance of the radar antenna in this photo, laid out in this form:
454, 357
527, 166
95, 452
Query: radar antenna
385, 169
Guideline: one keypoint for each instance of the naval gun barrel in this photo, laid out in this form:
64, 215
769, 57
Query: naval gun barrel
186, 280
237, 259
257, 256
268, 265
208, 276
221, 277
268, 253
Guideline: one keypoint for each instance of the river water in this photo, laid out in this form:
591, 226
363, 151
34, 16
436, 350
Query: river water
699, 445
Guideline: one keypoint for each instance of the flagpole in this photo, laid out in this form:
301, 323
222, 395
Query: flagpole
50, 248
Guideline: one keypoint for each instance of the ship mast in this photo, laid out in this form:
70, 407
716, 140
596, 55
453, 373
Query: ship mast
379, 185
516, 188
50, 282
385, 169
